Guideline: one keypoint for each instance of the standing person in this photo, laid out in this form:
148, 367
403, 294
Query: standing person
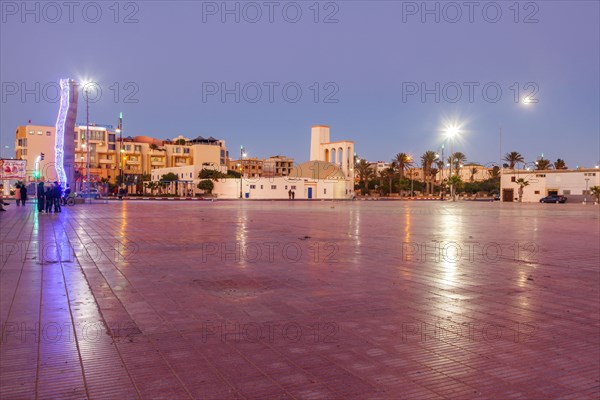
23, 192
40, 197
57, 196
290, 194
17, 194
2, 203
49, 198
293, 194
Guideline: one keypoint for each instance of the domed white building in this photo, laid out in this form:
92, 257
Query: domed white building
328, 175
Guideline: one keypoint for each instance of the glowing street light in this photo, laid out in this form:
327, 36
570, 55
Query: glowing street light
452, 132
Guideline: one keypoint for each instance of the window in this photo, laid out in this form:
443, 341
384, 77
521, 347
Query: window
324, 191
48, 133
111, 146
137, 148
285, 187
252, 186
513, 179
24, 152
186, 151
536, 192
261, 186
540, 175
293, 187
585, 192
273, 187
566, 192
589, 174
40, 132
177, 150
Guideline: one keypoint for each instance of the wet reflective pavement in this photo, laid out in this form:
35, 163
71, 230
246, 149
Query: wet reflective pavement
301, 300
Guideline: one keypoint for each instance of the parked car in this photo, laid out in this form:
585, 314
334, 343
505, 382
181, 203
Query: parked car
553, 198
93, 193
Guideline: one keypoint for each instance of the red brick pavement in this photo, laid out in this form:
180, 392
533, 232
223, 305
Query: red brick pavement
301, 300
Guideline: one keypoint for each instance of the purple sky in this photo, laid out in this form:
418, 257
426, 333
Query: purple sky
367, 57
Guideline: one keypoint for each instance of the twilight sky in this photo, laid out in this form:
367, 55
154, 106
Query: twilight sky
360, 67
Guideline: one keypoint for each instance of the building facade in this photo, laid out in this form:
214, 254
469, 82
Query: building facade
574, 184
111, 155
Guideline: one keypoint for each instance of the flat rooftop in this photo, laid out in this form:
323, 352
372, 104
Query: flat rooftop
300, 300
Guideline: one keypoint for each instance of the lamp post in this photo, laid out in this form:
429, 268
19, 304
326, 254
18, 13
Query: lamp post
241, 169
412, 182
442, 186
451, 133
87, 139
121, 151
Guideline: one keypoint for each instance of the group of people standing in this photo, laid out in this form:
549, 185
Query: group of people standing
49, 197
20, 194
291, 194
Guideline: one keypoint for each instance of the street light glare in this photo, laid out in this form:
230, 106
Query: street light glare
452, 131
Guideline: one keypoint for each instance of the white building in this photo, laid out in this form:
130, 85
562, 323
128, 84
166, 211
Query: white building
328, 175
574, 184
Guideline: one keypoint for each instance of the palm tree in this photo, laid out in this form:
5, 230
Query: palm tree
455, 181
402, 162
595, 190
473, 173
459, 158
427, 160
560, 164
494, 172
388, 174
522, 183
513, 158
365, 173
542, 164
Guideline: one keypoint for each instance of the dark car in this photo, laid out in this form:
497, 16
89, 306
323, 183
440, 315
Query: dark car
553, 198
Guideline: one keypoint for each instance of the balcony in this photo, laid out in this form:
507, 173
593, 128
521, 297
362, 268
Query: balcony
154, 163
133, 162
181, 164
105, 161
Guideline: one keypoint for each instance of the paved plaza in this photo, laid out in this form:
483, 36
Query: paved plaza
301, 300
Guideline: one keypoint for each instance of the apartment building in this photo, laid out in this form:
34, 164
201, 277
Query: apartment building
277, 166
110, 154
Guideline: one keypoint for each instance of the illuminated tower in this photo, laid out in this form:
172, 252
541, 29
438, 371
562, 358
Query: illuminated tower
65, 129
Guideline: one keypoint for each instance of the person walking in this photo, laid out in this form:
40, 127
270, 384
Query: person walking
40, 197
17, 194
57, 197
48, 194
23, 192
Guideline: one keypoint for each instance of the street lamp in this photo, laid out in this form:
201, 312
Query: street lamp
121, 150
242, 154
87, 136
451, 133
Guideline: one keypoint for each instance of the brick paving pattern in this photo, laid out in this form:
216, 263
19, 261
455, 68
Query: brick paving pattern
301, 300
